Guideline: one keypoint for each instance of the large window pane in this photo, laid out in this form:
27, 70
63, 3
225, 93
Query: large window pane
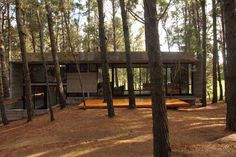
39, 97
173, 79
178, 79
37, 73
52, 73
120, 81
145, 81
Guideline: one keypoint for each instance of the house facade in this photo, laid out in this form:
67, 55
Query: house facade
181, 76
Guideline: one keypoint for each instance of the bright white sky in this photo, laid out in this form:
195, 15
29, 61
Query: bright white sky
135, 26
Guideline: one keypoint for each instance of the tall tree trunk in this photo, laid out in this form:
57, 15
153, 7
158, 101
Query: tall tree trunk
161, 145
4, 64
2, 107
33, 41
197, 28
2, 52
27, 80
230, 23
64, 46
114, 24
72, 49
9, 35
89, 22
204, 51
219, 79
215, 53
114, 37
130, 76
32, 31
105, 73
223, 46
45, 66
55, 56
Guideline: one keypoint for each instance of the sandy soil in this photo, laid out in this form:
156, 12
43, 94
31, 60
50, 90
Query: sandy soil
193, 132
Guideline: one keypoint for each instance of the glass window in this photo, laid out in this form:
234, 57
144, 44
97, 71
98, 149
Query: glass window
173, 79
52, 73
120, 81
37, 73
53, 95
145, 81
83, 67
179, 79
39, 97
71, 68
93, 68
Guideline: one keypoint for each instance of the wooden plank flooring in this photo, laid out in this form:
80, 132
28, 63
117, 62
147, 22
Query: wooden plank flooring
140, 102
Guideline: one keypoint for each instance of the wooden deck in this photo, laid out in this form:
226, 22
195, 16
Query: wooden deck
140, 103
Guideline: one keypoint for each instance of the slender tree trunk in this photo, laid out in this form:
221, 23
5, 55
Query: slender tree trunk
45, 66
216, 64
2, 52
55, 56
33, 41
105, 73
89, 22
230, 23
223, 47
114, 25
114, 38
130, 76
167, 35
215, 54
219, 79
196, 24
32, 31
72, 49
204, 51
161, 145
64, 46
2, 107
27, 80
4, 64
9, 34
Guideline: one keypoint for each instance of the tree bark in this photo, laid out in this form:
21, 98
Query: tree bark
105, 73
4, 64
130, 76
114, 25
33, 41
219, 79
2, 52
223, 47
45, 66
32, 31
27, 80
161, 145
215, 54
89, 21
114, 38
55, 56
203, 56
230, 23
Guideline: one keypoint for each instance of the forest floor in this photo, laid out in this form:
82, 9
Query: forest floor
193, 132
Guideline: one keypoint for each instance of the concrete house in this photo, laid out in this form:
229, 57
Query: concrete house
182, 76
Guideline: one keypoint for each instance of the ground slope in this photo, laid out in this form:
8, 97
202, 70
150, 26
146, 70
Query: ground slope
193, 132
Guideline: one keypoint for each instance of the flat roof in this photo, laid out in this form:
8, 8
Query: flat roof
113, 57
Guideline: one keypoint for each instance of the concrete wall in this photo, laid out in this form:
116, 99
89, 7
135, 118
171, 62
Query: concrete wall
16, 80
89, 81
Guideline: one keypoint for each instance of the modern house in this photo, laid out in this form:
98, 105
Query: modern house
182, 76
